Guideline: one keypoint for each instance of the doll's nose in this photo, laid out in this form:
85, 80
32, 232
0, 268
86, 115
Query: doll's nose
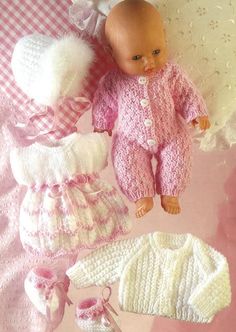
148, 62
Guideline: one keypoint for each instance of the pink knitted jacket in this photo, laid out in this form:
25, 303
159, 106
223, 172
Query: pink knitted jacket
147, 106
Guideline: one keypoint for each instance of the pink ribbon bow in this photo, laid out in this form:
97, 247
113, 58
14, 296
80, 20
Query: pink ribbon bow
71, 103
46, 119
48, 295
107, 318
57, 190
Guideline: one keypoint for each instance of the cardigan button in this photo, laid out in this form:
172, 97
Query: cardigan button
151, 142
148, 122
144, 102
142, 80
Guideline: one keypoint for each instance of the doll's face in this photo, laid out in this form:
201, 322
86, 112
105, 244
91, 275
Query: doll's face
135, 33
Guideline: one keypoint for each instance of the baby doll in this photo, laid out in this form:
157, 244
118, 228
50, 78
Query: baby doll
153, 101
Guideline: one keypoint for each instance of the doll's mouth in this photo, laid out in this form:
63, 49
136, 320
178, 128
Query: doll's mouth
149, 71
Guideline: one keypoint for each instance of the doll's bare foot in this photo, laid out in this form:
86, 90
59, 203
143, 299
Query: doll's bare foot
170, 204
143, 205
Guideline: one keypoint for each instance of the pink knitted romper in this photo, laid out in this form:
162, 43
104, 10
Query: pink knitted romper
153, 112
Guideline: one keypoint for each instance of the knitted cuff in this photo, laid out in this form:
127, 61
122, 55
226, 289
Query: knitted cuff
102, 124
78, 276
198, 112
203, 303
135, 195
166, 192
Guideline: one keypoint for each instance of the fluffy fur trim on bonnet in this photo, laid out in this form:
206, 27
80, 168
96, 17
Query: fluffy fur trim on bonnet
47, 69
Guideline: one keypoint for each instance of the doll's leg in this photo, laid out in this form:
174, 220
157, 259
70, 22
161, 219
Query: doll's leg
173, 171
134, 173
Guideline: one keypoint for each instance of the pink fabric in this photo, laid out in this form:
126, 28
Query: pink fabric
41, 277
16, 312
90, 308
151, 111
19, 18
58, 180
167, 94
112, 237
97, 309
47, 282
64, 210
134, 171
70, 182
54, 122
44, 277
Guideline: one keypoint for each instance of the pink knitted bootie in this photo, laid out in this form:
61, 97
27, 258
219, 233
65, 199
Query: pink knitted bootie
48, 293
94, 315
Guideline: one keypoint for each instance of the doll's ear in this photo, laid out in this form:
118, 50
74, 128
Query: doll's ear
109, 49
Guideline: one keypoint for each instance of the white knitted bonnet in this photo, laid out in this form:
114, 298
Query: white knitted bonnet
46, 68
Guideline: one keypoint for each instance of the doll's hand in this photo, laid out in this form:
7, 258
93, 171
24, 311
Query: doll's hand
103, 131
203, 122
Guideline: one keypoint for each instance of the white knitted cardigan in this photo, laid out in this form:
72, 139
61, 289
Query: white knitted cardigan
173, 275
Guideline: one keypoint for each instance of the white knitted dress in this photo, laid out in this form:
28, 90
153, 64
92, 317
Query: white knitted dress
67, 207
172, 275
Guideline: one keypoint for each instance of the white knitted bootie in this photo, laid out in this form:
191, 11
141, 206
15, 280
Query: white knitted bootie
90, 316
48, 294
94, 315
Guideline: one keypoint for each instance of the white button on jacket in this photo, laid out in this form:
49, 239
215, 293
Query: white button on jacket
151, 142
148, 122
144, 102
142, 80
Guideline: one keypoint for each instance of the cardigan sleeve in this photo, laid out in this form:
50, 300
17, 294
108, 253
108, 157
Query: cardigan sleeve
105, 103
104, 265
187, 99
214, 292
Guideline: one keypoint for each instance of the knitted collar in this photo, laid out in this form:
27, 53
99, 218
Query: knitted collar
174, 244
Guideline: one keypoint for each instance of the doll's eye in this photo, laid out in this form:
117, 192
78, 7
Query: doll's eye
156, 52
137, 57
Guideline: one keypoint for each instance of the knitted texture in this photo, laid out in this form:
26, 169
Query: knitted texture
17, 313
67, 206
50, 72
26, 61
151, 111
46, 68
47, 291
134, 171
173, 275
50, 124
91, 316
